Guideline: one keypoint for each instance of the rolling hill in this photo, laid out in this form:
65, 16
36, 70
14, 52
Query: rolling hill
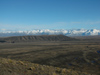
36, 38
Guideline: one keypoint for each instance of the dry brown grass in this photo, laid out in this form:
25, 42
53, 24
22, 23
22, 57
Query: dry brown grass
74, 55
13, 67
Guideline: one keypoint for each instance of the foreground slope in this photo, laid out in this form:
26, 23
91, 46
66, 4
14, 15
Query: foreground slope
12, 67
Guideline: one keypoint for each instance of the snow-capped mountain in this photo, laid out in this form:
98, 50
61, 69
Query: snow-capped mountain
74, 32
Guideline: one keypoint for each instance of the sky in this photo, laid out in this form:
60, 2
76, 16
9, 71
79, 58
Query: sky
49, 14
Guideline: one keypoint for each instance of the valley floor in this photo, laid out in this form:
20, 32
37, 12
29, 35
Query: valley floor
82, 56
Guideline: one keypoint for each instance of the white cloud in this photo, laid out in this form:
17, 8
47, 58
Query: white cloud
2, 29
90, 22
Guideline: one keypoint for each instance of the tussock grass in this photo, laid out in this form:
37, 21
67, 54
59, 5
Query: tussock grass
13, 67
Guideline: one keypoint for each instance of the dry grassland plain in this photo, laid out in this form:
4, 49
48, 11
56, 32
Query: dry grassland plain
83, 56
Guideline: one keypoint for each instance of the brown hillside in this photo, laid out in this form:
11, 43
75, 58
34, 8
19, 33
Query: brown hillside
12, 67
36, 38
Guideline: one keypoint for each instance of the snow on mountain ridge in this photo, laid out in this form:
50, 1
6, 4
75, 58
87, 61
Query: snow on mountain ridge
74, 32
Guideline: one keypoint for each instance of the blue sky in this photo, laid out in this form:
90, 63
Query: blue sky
49, 14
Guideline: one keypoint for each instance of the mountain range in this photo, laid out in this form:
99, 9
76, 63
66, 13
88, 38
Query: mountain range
71, 32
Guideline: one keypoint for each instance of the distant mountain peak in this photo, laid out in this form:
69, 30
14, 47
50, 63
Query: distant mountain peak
72, 32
